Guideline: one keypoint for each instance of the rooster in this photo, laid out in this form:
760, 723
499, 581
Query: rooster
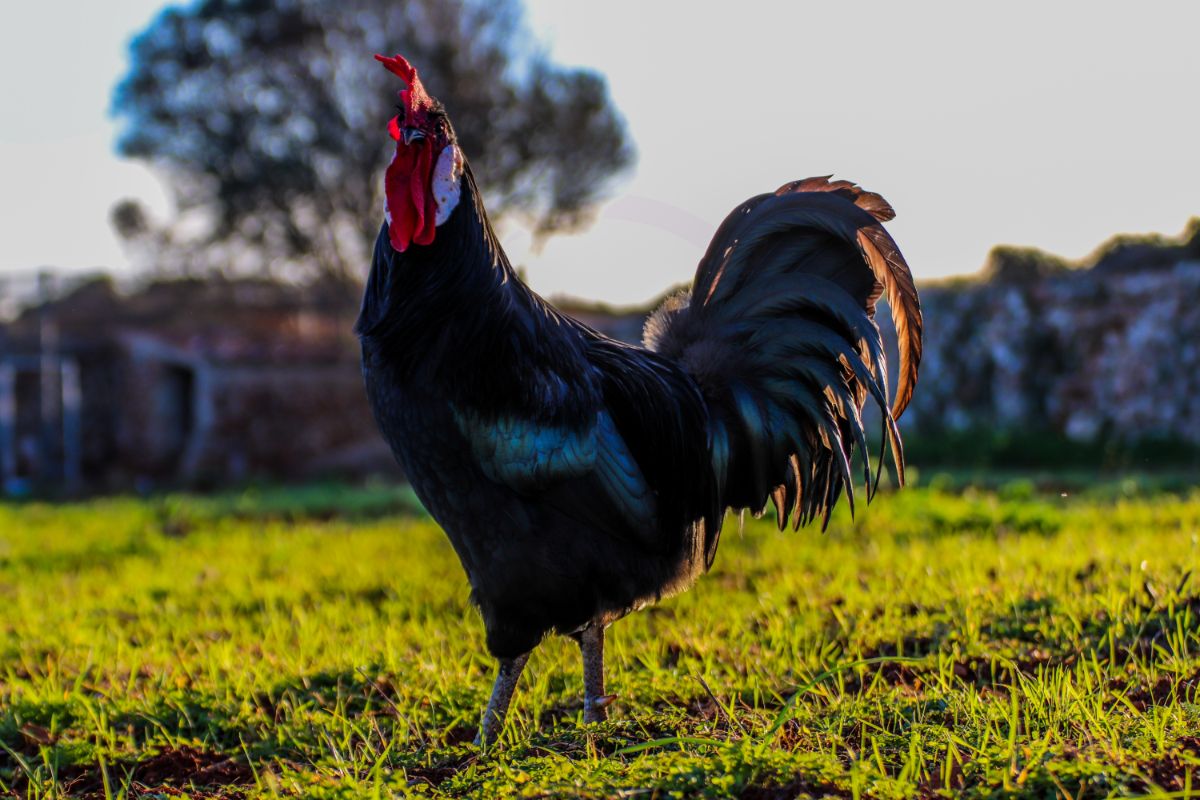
579, 478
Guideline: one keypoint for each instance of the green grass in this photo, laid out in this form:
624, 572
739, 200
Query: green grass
965, 644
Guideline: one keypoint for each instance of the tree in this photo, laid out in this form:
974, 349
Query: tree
1008, 263
269, 120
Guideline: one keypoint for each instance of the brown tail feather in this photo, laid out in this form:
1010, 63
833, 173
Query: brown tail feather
891, 272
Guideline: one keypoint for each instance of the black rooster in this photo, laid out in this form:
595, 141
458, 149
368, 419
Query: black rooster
579, 478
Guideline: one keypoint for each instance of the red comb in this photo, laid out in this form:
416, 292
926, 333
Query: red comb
411, 206
414, 98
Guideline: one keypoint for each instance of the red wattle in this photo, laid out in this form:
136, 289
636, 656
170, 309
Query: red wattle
410, 204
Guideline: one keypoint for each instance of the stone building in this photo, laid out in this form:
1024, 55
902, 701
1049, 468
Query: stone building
183, 382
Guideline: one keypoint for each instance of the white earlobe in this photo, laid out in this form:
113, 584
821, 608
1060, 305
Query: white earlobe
447, 182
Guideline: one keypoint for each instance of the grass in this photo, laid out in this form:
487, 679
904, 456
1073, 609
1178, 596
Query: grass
319, 643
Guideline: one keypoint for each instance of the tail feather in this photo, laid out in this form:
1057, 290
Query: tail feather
779, 333
892, 272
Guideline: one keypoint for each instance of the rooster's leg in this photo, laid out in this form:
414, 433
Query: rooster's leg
507, 674
595, 701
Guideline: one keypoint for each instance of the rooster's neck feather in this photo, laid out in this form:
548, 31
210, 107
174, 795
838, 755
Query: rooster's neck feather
454, 314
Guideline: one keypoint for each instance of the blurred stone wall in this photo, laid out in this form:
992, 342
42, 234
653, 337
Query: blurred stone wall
1088, 353
1108, 349
216, 381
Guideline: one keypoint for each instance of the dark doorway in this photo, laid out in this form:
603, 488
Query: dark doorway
174, 407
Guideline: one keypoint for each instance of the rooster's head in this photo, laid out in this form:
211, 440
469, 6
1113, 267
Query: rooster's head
423, 182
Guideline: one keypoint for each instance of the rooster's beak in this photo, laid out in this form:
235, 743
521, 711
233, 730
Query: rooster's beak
411, 135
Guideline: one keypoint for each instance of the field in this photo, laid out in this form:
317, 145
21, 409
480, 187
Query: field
318, 643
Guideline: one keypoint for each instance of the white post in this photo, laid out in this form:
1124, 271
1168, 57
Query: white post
72, 424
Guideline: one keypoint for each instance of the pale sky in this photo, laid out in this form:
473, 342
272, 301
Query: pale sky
1052, 124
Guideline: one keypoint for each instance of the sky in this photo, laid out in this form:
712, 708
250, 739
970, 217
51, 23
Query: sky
1053, 125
